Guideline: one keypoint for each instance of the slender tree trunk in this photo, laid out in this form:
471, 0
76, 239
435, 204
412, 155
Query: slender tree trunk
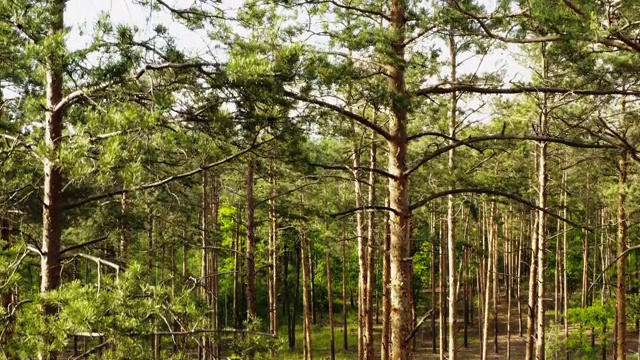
434, 239
519, 273
344, 294
52, 192
204, 278
362, 252
312, 287
508, 279
542, 224
236, 272
306, 313
332, 338
465, 260
292, 341
401, 297
585, 265
451, 210
441, 295
204, 230
487, 295
285, 298
251, 245
386, 300
215, 313
370, 253
494, 273
273, 243
621, 262
565, 296
532, 303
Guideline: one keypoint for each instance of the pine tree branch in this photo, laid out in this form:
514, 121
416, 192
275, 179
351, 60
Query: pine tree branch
340, 110
163, 181
622, 254
495, 192
351, 169
472, 140
75, 96
78, 246
529, 89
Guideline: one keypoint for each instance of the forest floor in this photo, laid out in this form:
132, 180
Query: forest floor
424, 350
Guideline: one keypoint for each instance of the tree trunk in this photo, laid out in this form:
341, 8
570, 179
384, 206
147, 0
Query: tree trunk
215, 314
306, 313
204, 271
362, 251
312, 273
236, 272
542, 224
344, 294
519, 273
441, 295
251, 245
487, 295
565, 295
401, 297
508, 280
370, 253
332, 338
621, 262
273, 257
52, 201
531, 303
434, 239
386, 300
204, 229
451, 224
494, 273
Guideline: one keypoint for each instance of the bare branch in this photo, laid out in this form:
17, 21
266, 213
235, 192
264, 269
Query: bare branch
78, 246
163, 181
351, 169
495, 192
342, 111
530, 89
472, 140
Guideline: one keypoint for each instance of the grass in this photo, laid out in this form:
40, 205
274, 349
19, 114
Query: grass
321, 343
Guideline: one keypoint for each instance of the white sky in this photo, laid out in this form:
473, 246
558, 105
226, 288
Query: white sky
84, 13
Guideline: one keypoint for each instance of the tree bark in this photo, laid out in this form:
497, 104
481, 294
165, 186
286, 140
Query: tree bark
344, 294
215, 313
442, 348
370, 252
451, 224
621, 263
236, 271
542, 224
401, 297
508, 279
386, 300
434, 240
519, 273
52, 201
306, 313
488, 280
251, 244
332, 338
273, 257
494, 273
565, 295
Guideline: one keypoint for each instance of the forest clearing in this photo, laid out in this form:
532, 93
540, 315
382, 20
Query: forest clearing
338, 179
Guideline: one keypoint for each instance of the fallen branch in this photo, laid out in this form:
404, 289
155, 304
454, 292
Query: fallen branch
415, 329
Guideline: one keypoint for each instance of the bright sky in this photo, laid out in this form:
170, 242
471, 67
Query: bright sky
84, 13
